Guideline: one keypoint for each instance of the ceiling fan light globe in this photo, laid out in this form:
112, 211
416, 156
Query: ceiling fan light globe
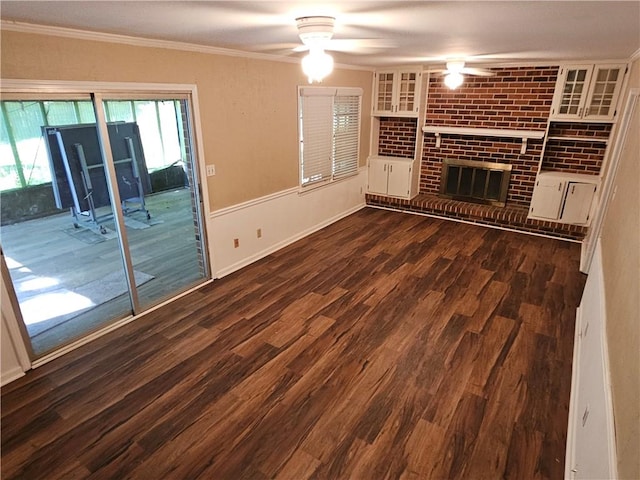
453, 80
317, 65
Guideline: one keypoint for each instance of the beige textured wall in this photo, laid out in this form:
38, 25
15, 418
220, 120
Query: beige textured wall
248, 107
621, 270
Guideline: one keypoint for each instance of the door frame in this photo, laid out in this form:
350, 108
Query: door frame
19, 337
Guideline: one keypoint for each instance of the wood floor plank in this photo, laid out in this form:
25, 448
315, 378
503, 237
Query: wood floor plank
385, 346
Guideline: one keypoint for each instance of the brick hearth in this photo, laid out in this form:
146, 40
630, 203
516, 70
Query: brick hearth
512, 217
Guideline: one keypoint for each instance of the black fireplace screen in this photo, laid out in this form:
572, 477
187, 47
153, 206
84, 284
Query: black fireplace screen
473, 181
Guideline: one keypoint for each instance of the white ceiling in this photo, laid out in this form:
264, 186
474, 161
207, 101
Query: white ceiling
402, 32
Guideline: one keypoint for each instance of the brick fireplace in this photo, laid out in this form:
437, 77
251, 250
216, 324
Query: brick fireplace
516, 98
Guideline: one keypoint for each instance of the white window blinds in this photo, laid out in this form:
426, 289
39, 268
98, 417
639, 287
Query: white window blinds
329, 133
315, 143
346, 133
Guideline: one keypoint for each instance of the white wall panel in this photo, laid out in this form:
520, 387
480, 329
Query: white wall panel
283, 218
591, 438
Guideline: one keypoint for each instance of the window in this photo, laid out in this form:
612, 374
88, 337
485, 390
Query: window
329, 126
23, 155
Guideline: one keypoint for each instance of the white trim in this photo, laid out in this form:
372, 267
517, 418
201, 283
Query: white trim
606, 191
11, 375
572, 422
203, 194
524, 135
22, 27
251, 203
484, 132
635, 55
608, 399
75, 86
16, 337
251, 230
583, 359
12, 319
436, 68
288, 241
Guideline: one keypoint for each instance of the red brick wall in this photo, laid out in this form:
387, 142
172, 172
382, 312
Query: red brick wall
397, 137
501, 150
575, 156
516, 98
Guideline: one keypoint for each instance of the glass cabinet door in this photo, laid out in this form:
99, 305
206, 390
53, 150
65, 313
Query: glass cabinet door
588, 92
397, 92
407, 85
604, 91
574, 91
384, 92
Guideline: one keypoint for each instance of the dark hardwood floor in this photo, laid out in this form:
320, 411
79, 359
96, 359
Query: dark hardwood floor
384, 346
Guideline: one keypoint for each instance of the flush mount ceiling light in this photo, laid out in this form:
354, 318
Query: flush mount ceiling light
315, 33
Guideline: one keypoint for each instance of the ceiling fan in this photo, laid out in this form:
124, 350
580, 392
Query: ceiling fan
453, 74
316, 34
318, 30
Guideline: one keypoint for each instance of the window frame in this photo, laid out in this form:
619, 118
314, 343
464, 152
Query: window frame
334, 169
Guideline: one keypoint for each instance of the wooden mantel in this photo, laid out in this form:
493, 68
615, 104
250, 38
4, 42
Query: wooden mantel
484, 132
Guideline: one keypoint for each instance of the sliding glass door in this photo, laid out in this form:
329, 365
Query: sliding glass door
101, 217
151, 149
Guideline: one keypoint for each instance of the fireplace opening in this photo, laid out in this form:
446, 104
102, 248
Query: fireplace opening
473, 181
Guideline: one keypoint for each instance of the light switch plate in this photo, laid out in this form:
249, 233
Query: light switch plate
211, 170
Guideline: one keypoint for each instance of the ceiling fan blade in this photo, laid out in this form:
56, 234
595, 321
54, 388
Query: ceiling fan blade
279, 48
359, 45
482, 72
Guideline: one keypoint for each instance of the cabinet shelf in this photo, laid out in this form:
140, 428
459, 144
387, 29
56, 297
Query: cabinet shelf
484, 132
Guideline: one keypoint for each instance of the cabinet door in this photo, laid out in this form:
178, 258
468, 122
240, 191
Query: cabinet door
408, 92
604, 89
377, 177
571, 91
383, 96
547, 198
578, 202
399, 181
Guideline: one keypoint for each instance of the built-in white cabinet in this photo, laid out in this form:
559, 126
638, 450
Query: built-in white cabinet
397, 92
588, 92
547, 197
392, 176
563, 197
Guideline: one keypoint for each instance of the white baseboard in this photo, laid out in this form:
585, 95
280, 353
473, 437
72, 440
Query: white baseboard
11, 375
280, 218
274, 248
591, 442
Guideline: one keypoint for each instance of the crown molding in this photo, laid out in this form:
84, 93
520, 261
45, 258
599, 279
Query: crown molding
636, 55
23, 27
